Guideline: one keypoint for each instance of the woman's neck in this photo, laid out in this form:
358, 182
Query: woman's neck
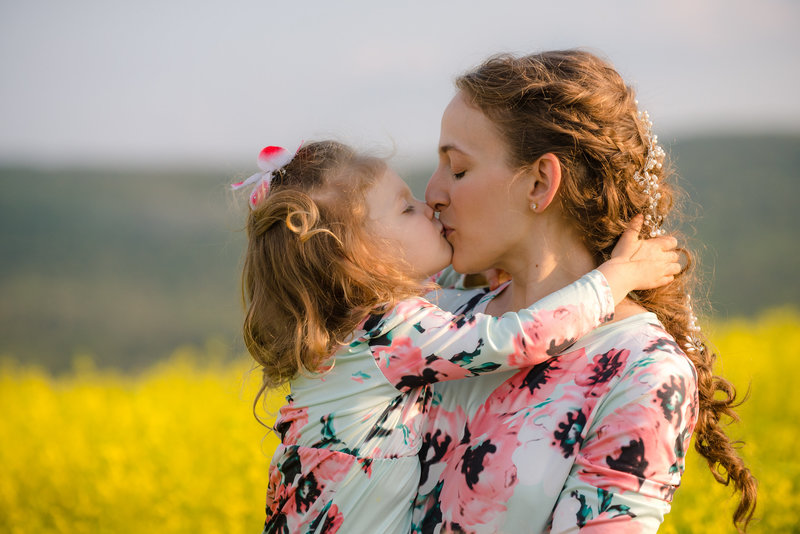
540, 266
555, 258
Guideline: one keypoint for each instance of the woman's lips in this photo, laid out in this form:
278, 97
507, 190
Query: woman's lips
446, 230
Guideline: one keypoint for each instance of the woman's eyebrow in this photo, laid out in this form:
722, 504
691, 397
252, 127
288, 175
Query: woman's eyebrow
444, 149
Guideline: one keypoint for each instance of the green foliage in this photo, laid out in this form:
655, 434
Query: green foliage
124, 266
740, 196
127, 265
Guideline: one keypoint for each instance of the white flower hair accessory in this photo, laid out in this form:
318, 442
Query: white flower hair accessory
652, 220
693, 342
271, 160
649, 181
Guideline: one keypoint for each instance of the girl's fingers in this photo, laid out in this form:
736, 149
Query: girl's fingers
666, 242
664, 280
635, 224
630, 237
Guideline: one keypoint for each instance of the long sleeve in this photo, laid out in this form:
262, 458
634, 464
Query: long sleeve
632, 458
417, 343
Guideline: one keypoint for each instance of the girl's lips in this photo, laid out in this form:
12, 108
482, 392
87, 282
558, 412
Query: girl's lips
447, 230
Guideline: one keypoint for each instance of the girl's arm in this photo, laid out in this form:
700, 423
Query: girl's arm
417, 343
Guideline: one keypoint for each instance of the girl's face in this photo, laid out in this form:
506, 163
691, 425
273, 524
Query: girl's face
479, 202
407, 224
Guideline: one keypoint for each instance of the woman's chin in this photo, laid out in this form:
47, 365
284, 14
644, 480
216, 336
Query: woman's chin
463, 267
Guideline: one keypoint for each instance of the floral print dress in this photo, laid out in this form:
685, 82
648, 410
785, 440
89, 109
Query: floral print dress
351, 436
593, 440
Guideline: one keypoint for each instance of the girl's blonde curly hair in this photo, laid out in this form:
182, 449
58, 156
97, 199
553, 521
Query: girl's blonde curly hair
312, 272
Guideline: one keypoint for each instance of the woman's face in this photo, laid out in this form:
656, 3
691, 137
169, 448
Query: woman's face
473, 189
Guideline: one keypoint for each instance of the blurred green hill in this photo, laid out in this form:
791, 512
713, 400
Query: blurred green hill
742, 195
126, 266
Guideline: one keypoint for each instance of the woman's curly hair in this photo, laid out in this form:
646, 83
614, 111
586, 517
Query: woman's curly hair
575, 105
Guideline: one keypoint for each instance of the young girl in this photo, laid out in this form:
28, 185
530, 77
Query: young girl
338, 255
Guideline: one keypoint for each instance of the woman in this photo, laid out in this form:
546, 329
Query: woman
542, 161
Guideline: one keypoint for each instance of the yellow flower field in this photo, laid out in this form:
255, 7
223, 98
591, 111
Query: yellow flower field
177, 449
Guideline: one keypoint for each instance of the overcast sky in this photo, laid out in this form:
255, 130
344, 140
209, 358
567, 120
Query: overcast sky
150, 82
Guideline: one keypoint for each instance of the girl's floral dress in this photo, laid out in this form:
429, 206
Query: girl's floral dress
593, 440
350, 437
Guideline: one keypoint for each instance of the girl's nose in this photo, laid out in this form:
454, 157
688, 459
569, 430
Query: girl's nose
428, 210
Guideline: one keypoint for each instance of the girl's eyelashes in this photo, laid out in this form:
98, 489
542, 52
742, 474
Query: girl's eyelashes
409, 208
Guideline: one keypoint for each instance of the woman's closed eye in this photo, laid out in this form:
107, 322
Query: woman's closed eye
459, 175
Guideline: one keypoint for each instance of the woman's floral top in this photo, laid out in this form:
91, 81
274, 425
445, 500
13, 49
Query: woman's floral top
350, 437
593, 440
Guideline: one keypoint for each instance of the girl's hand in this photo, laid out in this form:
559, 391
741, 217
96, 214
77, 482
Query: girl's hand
640, 263
493, 278
496, 277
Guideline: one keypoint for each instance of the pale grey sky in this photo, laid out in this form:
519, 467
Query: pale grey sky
150, 82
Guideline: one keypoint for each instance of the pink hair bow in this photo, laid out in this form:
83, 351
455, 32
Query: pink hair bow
270, 159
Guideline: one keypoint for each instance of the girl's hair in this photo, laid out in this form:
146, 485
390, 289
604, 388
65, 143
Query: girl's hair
576, 106
312, 272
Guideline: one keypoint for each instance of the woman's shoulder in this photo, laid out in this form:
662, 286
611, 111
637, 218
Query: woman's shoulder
643, 344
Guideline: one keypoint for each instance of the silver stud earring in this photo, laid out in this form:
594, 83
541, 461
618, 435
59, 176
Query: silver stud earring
534, 205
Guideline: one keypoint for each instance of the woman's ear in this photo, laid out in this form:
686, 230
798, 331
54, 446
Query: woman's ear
545, 179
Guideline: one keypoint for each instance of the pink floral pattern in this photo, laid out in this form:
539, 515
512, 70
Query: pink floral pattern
302, 483
350, 437
596, 437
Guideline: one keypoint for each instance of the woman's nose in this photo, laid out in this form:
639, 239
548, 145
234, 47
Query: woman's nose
435, 193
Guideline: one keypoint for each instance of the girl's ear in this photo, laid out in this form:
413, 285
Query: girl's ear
544, 179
